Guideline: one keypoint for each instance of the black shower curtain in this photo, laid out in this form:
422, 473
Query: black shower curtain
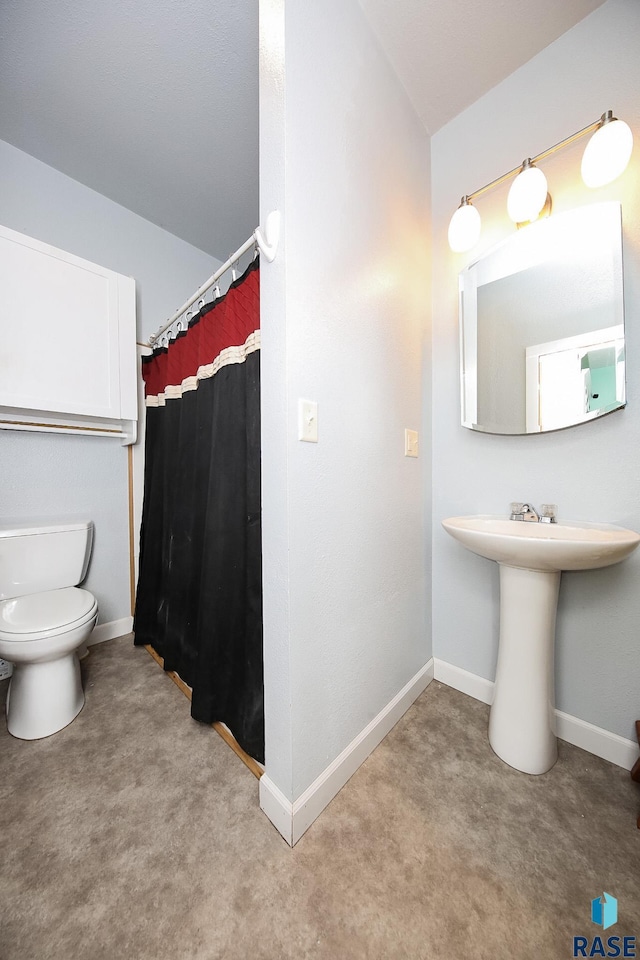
199, 597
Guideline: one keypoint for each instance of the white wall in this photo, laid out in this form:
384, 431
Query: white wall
345, 309
49, 475
591, 471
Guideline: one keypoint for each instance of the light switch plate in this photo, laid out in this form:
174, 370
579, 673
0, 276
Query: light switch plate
411, 443
308, 421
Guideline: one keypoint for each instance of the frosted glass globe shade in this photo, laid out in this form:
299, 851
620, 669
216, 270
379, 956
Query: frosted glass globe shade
607, 154
528, 195
464, 228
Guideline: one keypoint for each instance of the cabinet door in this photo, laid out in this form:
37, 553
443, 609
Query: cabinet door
66, 325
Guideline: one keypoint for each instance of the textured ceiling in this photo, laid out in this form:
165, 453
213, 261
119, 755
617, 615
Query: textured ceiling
448, 53
154, 103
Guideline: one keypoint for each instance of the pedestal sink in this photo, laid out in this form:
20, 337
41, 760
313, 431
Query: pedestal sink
531, 557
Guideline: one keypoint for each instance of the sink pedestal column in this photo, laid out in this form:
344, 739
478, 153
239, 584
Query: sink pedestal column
522, 720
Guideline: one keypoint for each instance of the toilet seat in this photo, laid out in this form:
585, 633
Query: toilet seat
40, 615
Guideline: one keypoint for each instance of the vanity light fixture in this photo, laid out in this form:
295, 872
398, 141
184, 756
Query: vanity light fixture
528, 193
464, 228
608, 152
605, 158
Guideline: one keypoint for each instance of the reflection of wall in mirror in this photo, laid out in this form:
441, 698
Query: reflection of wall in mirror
531, 307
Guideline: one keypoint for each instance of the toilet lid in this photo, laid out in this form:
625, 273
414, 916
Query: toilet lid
45, 611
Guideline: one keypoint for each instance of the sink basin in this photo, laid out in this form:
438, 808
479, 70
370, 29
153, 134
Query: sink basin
569, 545
531, 557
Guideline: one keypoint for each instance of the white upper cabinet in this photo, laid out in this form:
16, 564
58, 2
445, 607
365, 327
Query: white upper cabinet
67, 342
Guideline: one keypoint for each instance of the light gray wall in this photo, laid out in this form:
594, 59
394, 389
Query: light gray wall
47, 475
62, 477
345, 310
592, 471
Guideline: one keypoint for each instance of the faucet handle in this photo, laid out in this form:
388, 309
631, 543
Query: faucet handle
516, 506
549, 512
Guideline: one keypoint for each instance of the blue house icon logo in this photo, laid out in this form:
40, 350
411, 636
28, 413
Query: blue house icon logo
604, 910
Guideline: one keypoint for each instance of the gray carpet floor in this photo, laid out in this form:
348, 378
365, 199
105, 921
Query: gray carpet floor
136, 833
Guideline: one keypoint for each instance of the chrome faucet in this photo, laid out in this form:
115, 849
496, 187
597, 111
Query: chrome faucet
524, 511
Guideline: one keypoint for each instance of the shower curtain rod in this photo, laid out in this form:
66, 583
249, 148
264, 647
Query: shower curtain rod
267, 244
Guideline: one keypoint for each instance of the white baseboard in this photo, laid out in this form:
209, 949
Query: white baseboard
602, 743
292, 819
276, 806
469, 683
110, 630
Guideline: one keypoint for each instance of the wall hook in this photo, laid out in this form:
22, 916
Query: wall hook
268, 242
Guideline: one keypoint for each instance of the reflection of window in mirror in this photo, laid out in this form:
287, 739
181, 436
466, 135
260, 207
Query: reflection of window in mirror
554, 287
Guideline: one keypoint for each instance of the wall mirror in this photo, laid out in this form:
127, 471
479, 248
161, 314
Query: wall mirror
542, 325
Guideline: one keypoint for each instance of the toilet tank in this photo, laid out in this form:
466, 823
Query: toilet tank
43, 557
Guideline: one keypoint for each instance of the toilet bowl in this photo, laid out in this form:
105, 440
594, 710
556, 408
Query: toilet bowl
44, 621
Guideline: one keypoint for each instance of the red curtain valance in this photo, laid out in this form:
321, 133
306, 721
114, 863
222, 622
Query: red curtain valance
227, 323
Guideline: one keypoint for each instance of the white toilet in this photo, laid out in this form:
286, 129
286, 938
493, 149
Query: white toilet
44, 620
